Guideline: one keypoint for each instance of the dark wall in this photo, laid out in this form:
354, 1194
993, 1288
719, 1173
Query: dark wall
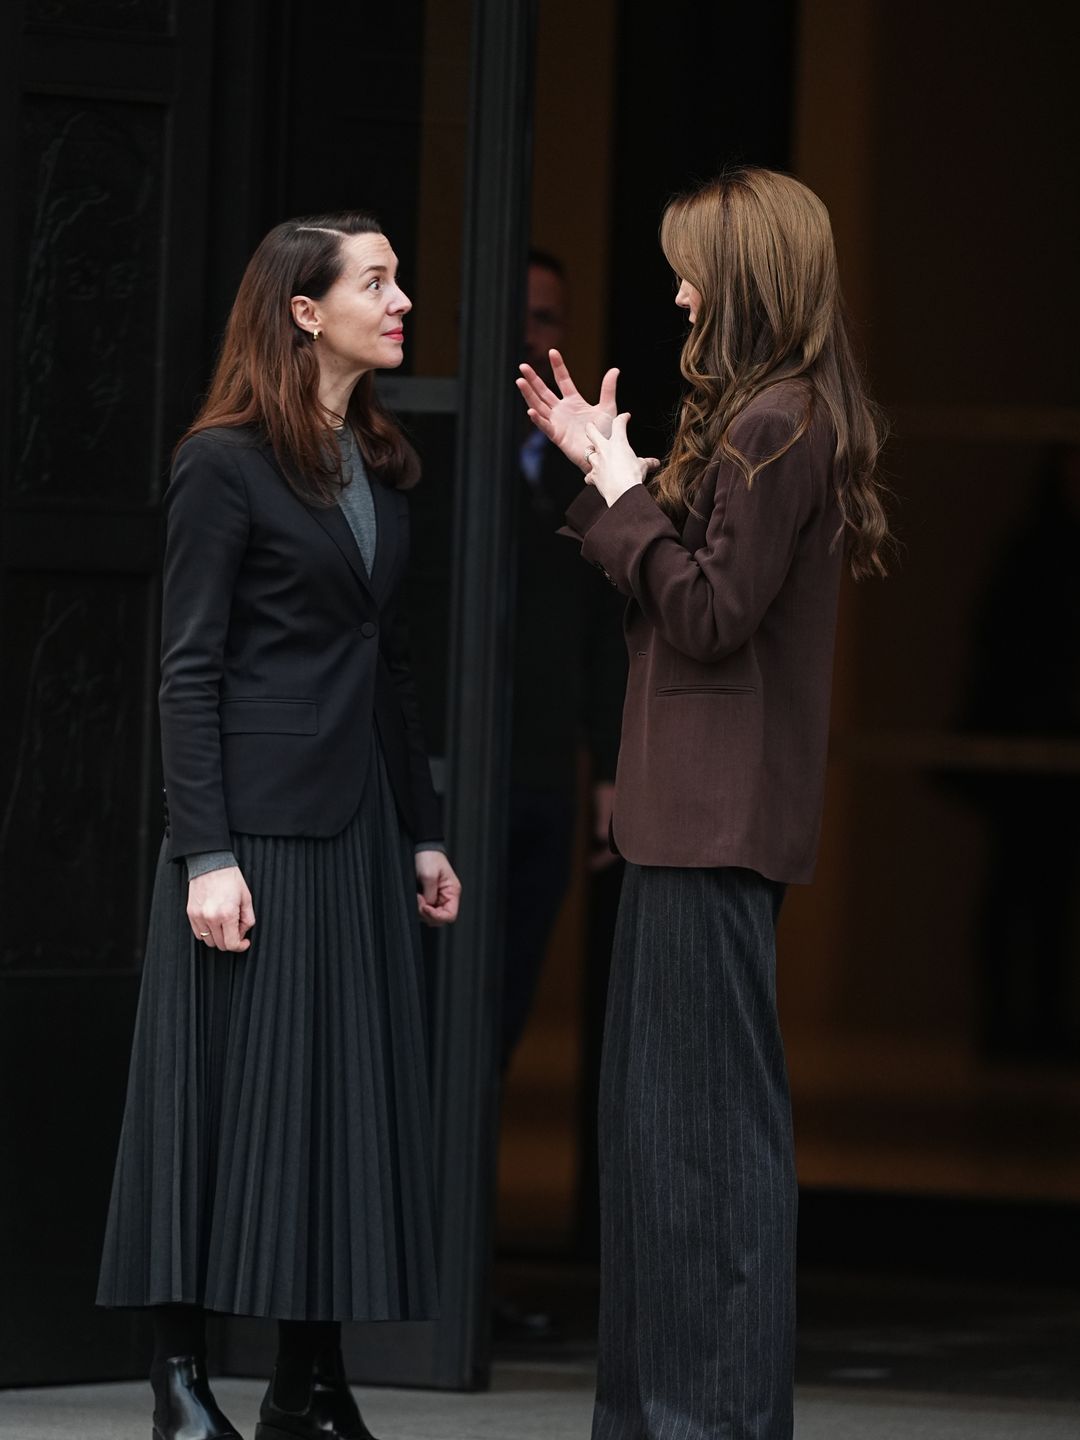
151, 145
101, 273
699, 87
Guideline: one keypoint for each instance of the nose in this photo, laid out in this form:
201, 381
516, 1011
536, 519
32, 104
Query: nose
401, 304
682, 296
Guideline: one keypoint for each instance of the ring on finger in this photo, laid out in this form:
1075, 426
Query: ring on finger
590, 452
204, 934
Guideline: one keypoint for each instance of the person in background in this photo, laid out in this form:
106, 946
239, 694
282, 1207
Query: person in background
569, 681
730, 559
275, 1156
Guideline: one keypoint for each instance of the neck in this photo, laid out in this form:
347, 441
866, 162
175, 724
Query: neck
335, 391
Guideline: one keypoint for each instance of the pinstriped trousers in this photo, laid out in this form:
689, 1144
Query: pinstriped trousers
697, 1175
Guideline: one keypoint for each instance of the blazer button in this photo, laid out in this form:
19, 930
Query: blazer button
367, 629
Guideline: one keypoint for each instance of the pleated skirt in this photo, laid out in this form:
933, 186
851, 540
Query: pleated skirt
275, 1153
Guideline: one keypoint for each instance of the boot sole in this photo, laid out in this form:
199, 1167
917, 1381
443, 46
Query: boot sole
271, 1432
156, 1434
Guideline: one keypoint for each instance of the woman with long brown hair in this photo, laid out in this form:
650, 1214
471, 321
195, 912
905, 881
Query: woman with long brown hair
730, 558
274, 1157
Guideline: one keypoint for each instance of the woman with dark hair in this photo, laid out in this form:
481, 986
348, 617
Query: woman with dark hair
730, 558
274, 1157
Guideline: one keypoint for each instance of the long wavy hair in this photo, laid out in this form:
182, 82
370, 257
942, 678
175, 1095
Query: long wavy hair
758, 247
267, 374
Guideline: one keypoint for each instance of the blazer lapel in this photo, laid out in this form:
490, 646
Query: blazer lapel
333, 522
388, 528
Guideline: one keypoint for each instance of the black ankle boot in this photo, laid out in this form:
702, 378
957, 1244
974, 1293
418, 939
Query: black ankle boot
184, 1407
329, 1414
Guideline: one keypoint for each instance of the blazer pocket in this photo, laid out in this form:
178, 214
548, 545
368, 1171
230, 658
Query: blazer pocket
269, 717
706, 690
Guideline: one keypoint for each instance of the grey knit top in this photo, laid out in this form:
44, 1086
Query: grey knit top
358, 506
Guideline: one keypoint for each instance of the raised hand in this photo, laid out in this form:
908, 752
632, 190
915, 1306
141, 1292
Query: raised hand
614, 466
563, 417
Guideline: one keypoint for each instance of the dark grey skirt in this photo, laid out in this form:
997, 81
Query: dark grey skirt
275, 1155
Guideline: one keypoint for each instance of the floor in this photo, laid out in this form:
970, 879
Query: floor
548, 1399
881, 1357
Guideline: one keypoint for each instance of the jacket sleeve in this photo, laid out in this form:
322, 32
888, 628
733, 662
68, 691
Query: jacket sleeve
605, 675
708, 603
206, 534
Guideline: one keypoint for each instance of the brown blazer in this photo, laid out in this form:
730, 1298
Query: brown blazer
730, 629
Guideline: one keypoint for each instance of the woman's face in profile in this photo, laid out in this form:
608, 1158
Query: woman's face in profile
688, 299
361, 316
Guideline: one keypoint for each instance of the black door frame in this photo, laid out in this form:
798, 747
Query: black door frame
454, 1352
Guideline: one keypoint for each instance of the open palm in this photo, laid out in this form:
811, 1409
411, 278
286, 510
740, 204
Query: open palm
563, 417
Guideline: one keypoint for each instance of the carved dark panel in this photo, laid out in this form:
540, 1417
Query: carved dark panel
90, 211
70, 770
145, 17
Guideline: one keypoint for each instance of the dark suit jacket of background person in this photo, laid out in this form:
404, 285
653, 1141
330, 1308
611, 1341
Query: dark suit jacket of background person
569, 657
730, 631
279, 655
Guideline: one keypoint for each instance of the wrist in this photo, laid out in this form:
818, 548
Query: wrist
616, 492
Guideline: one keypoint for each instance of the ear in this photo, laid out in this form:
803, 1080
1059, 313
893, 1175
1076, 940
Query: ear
306, 313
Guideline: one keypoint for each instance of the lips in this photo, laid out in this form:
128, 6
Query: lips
393, 334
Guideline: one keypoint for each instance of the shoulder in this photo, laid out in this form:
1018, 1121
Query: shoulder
785, 416
223, 440
209, 467
778, 409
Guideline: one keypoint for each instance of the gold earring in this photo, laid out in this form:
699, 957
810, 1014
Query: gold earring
315, 334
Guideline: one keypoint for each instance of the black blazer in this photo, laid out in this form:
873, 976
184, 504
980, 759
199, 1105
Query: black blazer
279, 653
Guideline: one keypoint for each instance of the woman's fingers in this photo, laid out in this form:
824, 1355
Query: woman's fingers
201, 927
607, 391
533, 399
541, 424
536, 390
440, 890
563, 378
219, 909
217, 933
618, 432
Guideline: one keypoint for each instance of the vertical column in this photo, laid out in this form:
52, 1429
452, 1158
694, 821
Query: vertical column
466, 1058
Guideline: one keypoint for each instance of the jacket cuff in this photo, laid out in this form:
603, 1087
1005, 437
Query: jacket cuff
429, 845
583, 512
616, 539
208, 860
